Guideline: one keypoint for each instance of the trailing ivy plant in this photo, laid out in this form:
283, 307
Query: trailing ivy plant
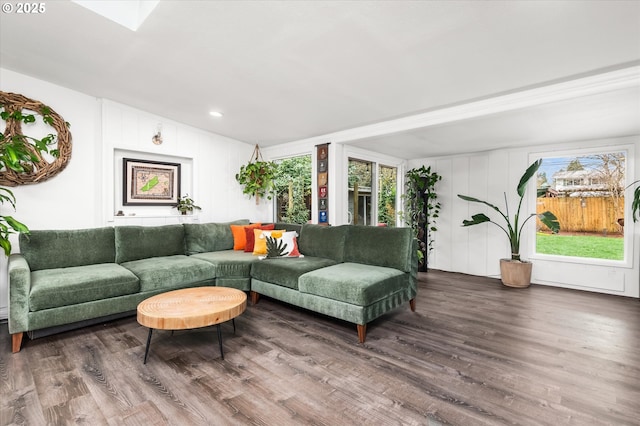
257, 176
422, 207
18, 153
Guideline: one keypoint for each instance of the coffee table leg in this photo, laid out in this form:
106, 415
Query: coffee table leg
146, 351
220, 341
233, 321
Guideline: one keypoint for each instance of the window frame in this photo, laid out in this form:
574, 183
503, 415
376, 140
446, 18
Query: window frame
628, 233
376, 159
374, 189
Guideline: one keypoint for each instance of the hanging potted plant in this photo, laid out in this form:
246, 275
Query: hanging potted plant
257, 176
422, 209
514, 272
186, 205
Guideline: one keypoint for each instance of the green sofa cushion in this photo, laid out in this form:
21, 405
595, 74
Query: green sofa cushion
229, 263
206, 237
142, 242
52, 288
353, 283
323, 241
47, 249
171, 272
285, 271
287, 226
371, 245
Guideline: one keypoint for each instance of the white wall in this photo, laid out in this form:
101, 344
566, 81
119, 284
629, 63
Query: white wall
209, 164
476, 250
86, 193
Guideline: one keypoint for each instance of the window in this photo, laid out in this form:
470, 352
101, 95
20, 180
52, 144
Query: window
293, 189
586, 193
360, 182
372, 193
387, 194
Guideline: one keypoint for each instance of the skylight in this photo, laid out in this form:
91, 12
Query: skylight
128, 13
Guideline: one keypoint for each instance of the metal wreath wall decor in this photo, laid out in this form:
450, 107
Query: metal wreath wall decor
18, 110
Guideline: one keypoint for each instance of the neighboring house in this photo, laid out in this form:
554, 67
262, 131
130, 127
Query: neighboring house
581, 183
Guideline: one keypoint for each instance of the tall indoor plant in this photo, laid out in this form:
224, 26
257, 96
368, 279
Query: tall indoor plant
514, 272
422, 208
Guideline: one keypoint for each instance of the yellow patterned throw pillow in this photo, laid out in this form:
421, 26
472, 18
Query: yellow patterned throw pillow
284, 245
260, 244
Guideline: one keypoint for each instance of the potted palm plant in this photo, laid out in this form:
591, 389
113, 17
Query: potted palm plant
514, 272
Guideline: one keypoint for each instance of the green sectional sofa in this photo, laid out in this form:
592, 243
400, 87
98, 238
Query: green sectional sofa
65, 279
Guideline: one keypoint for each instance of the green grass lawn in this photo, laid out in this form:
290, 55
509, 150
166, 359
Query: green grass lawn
581, 246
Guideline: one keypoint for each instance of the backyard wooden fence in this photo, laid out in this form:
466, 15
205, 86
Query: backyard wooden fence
589, 214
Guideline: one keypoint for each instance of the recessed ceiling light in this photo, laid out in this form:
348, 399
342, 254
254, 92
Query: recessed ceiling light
216, 114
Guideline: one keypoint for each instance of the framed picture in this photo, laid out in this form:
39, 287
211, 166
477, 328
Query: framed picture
150, 183
322, 179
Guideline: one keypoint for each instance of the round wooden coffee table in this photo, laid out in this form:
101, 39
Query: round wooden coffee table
189, 308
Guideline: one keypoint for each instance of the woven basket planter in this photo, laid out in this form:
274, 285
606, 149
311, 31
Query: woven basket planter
45, 168
515, 274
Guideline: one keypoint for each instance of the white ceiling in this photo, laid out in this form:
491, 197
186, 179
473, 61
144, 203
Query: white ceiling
283, 71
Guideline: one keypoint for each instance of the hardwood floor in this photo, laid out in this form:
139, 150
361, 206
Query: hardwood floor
473, 353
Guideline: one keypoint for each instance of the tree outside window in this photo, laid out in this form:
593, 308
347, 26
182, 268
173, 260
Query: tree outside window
387, 189
293, 189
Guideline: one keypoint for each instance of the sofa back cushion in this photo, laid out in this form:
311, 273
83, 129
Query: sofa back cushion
288, 226
47, 249
142, 242
323, 241
380, 246
206, 237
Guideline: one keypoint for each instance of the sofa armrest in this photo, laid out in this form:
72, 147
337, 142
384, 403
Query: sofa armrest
19, 287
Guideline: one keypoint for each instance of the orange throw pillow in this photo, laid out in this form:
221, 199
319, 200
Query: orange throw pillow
239, 236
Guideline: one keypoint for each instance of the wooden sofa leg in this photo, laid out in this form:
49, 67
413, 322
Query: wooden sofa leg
362, 332
412, 304
254, 297
16, 342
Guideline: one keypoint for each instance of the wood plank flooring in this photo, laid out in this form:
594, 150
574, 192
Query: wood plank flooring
474, 353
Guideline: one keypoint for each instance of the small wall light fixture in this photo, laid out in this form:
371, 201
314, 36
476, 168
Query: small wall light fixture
157, 138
